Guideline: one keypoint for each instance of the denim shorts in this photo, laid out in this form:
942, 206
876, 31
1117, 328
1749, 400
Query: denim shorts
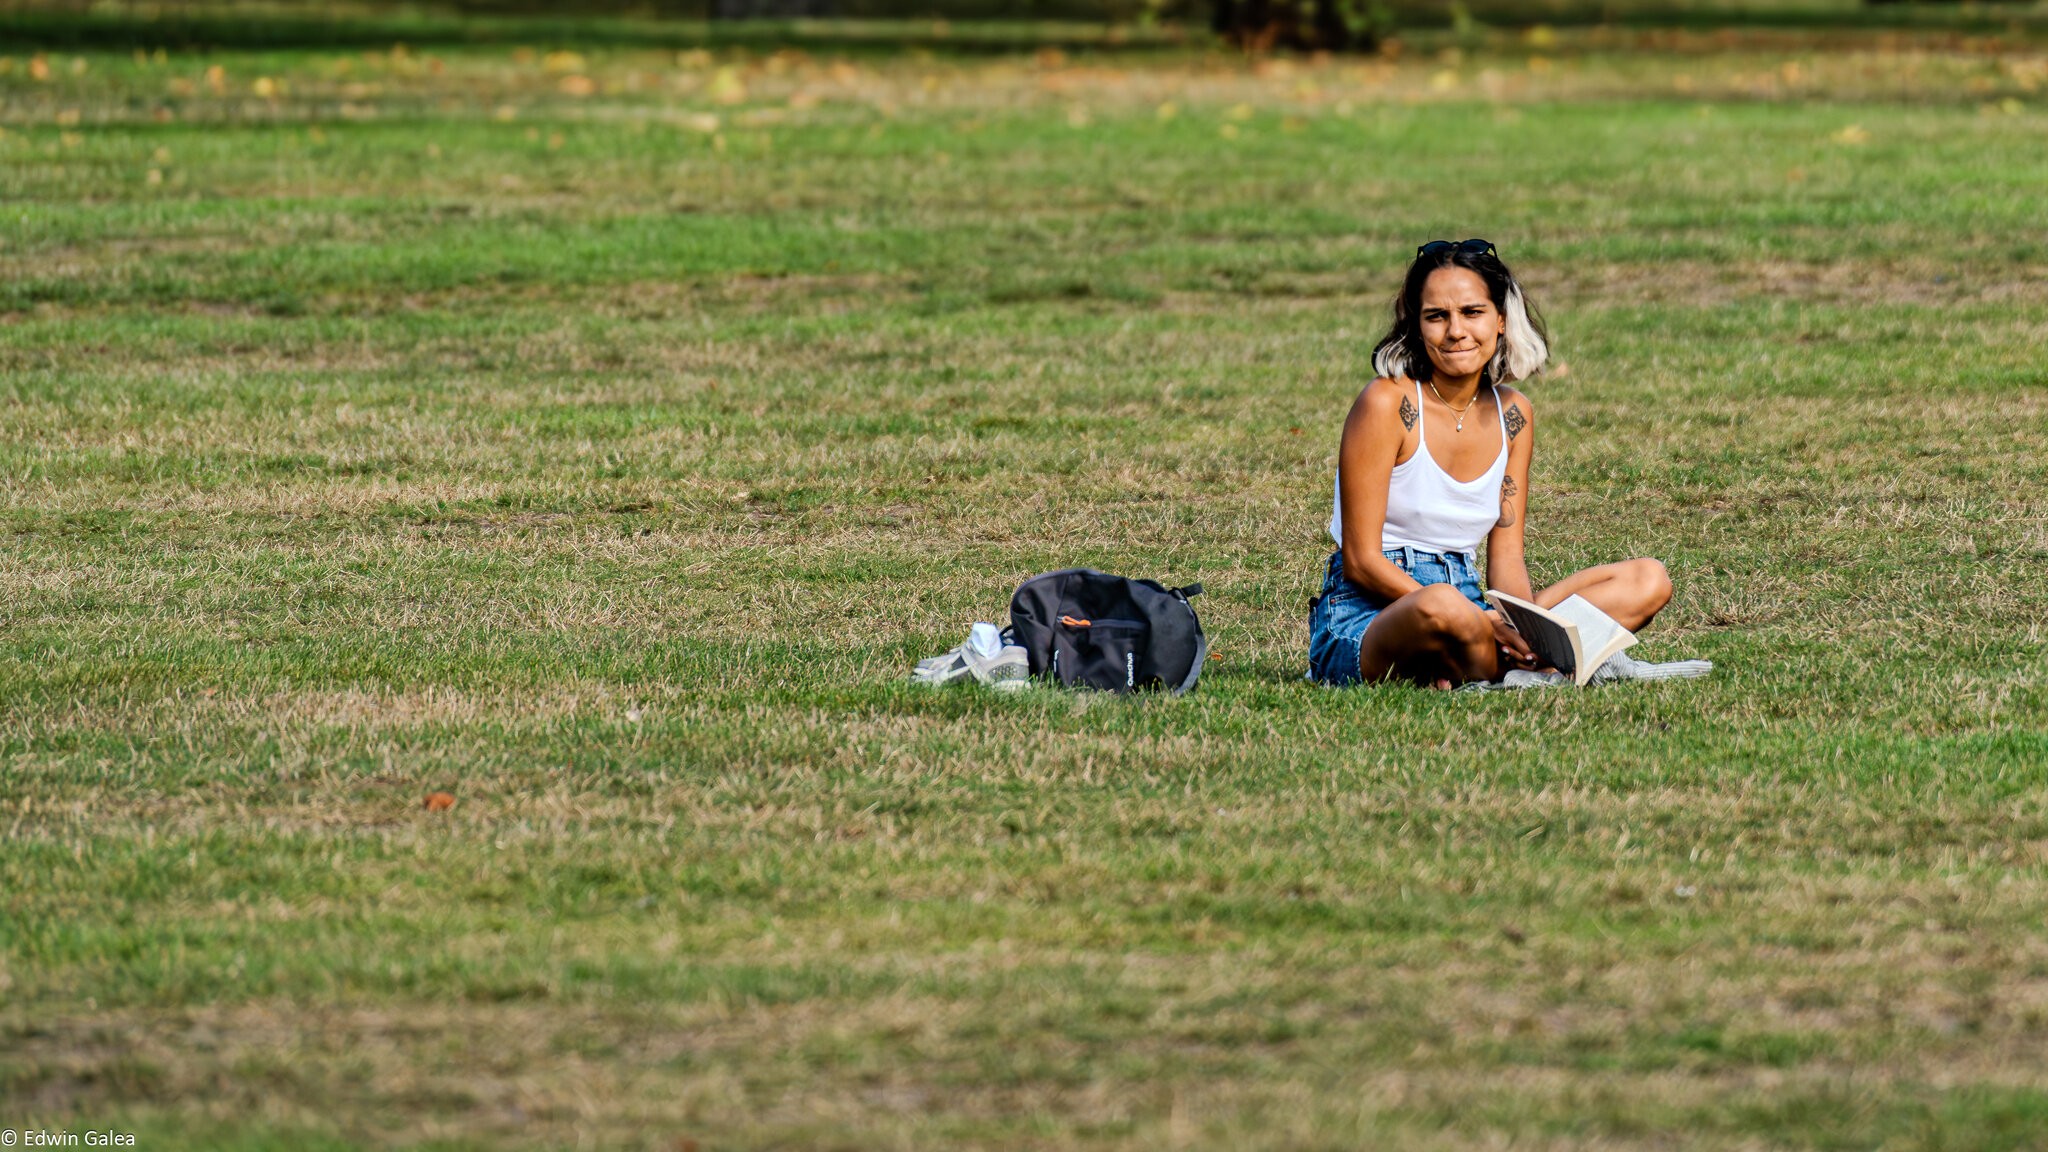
1338, 618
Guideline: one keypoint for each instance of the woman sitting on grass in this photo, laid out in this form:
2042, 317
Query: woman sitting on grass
1435, 458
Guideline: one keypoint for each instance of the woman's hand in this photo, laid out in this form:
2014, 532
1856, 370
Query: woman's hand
1514, 651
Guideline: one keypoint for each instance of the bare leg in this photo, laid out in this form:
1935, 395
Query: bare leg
1432, 635
1631, 591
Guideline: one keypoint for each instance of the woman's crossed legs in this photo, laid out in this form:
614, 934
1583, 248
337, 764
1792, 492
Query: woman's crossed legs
1434, 635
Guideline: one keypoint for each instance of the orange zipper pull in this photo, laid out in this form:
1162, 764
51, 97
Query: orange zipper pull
1070, 622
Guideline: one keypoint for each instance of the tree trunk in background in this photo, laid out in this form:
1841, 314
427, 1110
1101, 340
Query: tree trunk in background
1328, 25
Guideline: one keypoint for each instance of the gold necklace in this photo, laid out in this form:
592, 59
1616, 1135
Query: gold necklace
1459, 411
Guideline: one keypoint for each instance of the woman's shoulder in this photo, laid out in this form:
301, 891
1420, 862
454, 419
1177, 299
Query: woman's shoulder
1515, 398
1516, 411
1384, 405
1384, 394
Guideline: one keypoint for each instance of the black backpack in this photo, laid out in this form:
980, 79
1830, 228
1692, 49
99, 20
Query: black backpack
1080, 626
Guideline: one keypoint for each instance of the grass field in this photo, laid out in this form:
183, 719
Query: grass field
600, 433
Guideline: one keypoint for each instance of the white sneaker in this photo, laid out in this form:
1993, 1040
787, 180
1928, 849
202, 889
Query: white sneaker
1008, 670
940, 670
1622, 666
982, 637
983, 657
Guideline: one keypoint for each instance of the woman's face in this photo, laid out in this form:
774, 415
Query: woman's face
1460, 326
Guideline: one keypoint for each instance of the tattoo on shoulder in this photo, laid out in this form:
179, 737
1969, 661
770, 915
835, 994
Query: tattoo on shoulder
1514, 421
1507, 501
1408, 413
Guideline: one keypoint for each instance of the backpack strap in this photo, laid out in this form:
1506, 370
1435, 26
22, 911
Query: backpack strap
1201, 641
1201, 658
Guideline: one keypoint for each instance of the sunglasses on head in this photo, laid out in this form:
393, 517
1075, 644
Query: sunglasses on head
1473, 247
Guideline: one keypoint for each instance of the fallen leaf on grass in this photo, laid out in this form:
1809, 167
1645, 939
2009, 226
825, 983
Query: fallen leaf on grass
438, 802
1852, 135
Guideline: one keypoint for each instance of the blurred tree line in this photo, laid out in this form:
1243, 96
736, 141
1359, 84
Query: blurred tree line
1255, 25
1091, 11
1335, 25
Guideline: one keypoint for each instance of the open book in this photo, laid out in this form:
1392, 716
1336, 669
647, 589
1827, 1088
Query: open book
1575, 638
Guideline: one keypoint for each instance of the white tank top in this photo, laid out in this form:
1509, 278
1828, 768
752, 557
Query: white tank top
1429, 511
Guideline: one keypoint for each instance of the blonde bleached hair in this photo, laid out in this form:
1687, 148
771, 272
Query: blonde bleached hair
1524, 345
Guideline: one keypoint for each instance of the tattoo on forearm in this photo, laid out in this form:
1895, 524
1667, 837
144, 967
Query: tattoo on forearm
1507, 500
1408, 413
1514, 421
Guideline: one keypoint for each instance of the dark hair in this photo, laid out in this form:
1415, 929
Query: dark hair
1524, 340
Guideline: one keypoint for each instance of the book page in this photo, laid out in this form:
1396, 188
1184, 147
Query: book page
1600, 635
